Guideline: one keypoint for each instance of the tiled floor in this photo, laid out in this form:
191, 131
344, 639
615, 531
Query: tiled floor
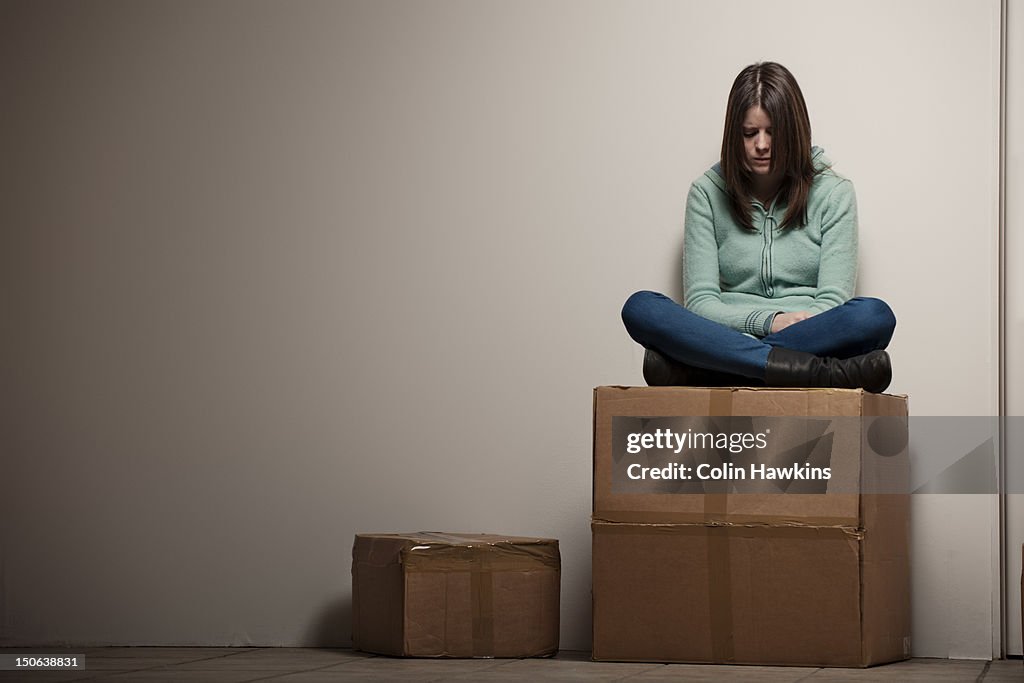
292, 665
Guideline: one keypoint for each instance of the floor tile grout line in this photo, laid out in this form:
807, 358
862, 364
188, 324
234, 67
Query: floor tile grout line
984, 671
655, 666
95, 649
279, 674
170, 666
499, 662
271, 676
223, 656
249, 650
302, 671
120, 672
505, 661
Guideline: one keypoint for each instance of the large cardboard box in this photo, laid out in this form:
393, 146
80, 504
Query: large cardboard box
431, 594
810, 568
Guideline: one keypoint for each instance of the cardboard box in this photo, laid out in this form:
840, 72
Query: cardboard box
433, 594
735, 570
860, 437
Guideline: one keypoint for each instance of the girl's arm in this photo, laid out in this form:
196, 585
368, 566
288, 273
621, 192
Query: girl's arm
837, 270
701, 277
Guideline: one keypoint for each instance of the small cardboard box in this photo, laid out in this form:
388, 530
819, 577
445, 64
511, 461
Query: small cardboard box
433, 594
790, 572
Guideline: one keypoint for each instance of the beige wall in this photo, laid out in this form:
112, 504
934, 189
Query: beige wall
275, 273
1014, 229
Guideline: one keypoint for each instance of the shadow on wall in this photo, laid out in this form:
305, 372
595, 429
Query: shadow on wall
676, 291
332, 627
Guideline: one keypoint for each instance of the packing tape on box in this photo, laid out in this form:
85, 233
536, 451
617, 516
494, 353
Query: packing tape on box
474, 540
443, 558
644, 517
719, 561
716, 497
482, 608
481, 562
720, 594
720, 403
762, 530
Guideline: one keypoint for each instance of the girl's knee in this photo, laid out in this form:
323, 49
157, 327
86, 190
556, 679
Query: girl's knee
881, 312
877, 317
636, 306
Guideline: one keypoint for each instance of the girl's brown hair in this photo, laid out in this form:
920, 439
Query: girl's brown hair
772, 87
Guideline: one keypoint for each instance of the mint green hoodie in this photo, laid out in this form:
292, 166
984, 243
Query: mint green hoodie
742, 278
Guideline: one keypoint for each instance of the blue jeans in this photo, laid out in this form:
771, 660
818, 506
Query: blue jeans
656, 322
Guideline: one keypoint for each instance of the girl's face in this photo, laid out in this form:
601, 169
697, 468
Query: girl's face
757, 140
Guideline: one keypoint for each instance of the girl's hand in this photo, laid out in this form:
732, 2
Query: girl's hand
784, 320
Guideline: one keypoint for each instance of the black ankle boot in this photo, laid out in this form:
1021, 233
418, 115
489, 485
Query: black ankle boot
660, 371
787, 368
